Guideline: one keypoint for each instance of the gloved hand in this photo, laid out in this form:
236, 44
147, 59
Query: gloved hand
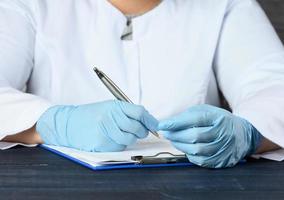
211, 137
99, 127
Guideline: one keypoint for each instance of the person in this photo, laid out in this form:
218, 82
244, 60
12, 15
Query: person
177, 58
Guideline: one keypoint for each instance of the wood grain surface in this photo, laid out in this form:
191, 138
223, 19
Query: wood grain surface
34, 173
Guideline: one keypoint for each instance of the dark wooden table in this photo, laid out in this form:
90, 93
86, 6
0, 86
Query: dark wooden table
34, 173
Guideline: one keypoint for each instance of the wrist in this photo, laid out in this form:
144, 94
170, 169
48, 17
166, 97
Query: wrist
52, 125
256, 139
29, 136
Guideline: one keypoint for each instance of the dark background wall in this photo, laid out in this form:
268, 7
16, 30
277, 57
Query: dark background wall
275, 11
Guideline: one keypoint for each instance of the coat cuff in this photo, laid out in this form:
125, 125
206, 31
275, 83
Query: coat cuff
265, 114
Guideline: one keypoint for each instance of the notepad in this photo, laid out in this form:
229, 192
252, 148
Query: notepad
99, 161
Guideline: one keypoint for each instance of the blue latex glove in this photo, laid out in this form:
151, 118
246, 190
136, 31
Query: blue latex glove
100, 127
211, 137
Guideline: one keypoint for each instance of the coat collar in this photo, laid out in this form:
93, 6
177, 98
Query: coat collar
141, 24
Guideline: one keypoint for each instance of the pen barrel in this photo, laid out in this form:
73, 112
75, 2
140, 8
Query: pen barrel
115, 90
119, 94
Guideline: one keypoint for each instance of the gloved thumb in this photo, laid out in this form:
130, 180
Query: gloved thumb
167, 125
139, 113
175, 123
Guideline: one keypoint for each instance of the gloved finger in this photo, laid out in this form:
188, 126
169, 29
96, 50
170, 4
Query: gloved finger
210, 161
116, 135
123, 138
193, 135
139, 113
200, 161
205, 107
198, 149
131, 126
188, 119
131, 138
106, 144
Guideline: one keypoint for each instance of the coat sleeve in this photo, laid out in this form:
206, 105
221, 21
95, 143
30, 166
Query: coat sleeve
18, 110
249, 66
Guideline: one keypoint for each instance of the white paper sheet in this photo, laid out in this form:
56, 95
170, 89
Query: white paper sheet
277, 155
146, 147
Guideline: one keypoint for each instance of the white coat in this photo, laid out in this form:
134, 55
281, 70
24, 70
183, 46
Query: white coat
180, 52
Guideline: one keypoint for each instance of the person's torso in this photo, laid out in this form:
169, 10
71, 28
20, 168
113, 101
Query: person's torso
167, 67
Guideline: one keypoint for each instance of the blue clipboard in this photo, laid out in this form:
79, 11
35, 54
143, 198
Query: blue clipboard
116, 166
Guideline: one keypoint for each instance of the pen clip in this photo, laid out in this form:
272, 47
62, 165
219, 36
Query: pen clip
161, 158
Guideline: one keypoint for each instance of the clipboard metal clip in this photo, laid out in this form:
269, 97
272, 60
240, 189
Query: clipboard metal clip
161, 158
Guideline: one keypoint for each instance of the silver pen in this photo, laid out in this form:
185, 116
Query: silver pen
115, 90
